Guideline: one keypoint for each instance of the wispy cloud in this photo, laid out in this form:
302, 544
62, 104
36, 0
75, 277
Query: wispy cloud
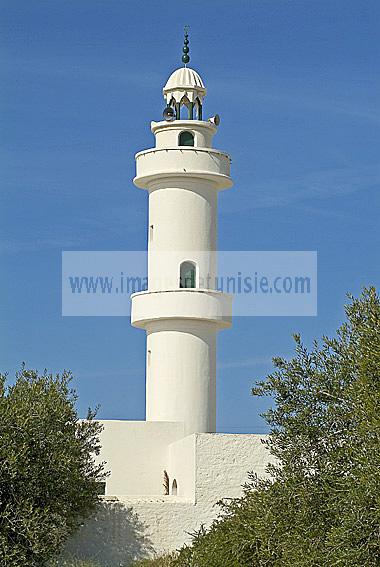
320, 212
78, 232
322, 184
106, 71
313, 186
38, 243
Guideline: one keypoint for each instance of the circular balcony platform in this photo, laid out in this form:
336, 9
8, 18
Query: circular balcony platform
159, 163
194, 304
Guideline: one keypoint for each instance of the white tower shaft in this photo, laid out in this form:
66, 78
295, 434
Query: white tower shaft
181, 311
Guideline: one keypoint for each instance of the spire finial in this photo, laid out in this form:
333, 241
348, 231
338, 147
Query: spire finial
185, 49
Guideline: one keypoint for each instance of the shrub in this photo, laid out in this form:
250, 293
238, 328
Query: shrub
48, 475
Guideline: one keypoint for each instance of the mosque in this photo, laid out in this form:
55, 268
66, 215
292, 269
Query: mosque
170, 470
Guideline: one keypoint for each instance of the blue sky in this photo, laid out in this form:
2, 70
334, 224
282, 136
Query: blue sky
297, 86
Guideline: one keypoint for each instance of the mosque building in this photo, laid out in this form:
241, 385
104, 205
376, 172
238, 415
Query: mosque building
173, 468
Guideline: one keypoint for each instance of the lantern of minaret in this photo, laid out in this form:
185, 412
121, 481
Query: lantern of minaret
182, 311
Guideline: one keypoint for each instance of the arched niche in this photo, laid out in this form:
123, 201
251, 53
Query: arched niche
186, 138
187, 275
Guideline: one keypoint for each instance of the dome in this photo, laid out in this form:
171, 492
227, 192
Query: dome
184, 78
184, 81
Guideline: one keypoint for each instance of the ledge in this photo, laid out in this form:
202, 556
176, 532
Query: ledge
192, 304
179, 124
182, 161
136, 499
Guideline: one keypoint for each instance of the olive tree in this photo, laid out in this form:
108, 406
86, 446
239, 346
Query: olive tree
322, 506
49, 478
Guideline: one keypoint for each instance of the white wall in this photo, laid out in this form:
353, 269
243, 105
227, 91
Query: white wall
222, 463
182, 456
136, 453
167, 133
136, 526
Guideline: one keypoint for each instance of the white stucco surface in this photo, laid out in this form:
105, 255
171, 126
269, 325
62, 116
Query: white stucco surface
157, 163
207, 468
167, 134
136, 453
181, 374
194, 304
181, 324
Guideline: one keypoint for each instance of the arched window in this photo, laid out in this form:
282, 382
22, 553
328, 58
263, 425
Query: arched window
198, 107
187, 275
174, 488
186, 138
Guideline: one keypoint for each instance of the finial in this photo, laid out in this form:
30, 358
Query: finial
185, 49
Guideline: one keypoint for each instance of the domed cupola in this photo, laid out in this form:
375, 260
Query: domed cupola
184, 88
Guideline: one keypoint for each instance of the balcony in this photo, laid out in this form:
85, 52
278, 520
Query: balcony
160, 163
197, 304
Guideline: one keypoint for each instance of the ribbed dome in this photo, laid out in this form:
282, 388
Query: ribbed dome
184, 78
184, 82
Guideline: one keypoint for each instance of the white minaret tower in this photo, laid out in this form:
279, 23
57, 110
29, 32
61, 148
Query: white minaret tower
181, 311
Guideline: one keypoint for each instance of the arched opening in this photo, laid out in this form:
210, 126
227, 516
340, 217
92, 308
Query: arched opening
198, 108
187, 275
165, 484
174, 488
186, 138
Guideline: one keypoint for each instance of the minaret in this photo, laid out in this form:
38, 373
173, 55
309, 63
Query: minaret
182, 311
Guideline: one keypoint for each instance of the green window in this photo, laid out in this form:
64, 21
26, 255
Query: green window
186, 139
187, 277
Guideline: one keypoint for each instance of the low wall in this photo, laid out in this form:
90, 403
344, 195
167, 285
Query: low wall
129, 527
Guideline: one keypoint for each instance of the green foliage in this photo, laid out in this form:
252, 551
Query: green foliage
48, 476
164, 561
322, 507
73, 563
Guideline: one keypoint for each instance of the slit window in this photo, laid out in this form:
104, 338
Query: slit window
186, 138
174, 488
187, 277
